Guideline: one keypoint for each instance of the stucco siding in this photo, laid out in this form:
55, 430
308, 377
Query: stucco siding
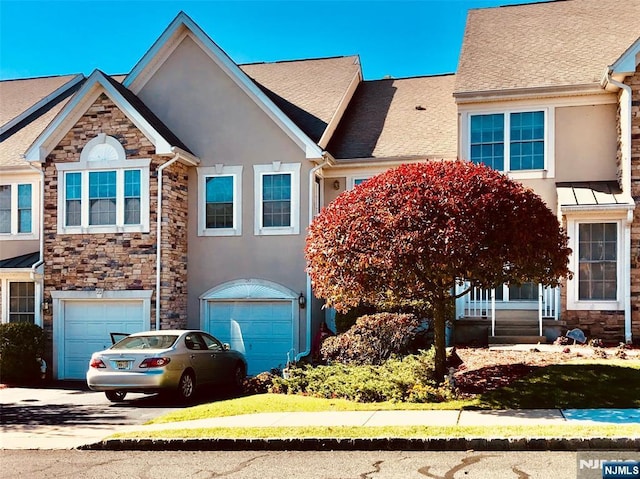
210, 113
586, 143
222, 125
18, 247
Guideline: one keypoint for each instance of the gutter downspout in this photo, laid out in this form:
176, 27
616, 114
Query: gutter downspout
41, 257
159, 236
312, 177
625, 160
39, 292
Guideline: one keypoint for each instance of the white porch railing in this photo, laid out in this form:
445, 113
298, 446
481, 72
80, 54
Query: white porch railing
481, 303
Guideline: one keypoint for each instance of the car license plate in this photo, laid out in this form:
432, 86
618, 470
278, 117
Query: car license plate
122, 364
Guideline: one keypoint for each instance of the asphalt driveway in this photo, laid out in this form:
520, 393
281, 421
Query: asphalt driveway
65, 415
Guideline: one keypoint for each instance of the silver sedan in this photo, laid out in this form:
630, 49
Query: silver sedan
169, 360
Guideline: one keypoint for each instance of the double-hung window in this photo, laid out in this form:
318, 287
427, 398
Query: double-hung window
16, 208
598, 261
103, 192
22, 304
220, 201
277, 188
509, 142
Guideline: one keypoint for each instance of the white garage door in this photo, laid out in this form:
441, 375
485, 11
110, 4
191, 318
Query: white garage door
86, 329
262, 330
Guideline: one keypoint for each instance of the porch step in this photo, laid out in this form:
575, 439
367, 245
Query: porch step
527, 339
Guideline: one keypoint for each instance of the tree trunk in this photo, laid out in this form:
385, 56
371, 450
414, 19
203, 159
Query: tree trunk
439, 331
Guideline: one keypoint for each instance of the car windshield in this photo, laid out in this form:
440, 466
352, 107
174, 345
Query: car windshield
146, 342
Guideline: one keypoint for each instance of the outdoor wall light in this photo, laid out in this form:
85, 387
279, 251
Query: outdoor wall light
336, 185
302, 301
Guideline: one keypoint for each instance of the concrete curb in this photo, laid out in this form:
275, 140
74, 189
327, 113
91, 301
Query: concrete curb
369, 444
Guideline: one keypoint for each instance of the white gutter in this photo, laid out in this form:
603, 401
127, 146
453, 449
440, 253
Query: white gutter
40, 261
178, 153
312, 178
625, 153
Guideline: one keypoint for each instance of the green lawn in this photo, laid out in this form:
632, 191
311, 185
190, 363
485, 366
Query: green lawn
593, 384
568, 431
260, 403
596, 384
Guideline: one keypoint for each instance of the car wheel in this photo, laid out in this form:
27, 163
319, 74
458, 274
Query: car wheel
238, 377
186, 386
115, 396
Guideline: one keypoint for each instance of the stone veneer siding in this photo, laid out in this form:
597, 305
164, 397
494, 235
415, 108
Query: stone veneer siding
634, 82
122, 261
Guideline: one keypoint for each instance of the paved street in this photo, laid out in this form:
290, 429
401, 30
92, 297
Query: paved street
288, 464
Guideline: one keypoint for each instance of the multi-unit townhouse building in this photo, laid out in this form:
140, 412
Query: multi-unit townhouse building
178, 195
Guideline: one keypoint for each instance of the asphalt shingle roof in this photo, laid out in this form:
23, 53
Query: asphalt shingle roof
307, 91
16, 97
399, 118
567, 42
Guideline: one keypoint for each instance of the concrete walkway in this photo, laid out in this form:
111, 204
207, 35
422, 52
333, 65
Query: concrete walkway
485, 418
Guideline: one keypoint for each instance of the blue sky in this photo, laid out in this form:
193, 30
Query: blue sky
397, 38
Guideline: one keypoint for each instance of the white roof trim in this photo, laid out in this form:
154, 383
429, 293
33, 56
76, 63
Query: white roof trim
156, 55
36, 106
95, 84
249, 289
629, 60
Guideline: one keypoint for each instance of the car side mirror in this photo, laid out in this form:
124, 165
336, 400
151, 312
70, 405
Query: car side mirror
226, 346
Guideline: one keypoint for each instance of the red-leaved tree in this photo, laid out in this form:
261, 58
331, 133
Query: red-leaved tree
406, 237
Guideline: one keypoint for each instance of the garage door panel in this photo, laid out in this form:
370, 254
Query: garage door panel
262, 330
87, 327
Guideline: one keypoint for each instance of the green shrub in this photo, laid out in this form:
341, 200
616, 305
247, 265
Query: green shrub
372, 340
20, 345
409, 379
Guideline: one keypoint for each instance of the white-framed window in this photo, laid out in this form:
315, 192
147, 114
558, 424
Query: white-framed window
597, 263
17, 202
103, 192
277, 198
353, 181
220, 201
511, 141
22, 302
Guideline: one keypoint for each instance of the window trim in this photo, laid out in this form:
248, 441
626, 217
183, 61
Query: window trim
88, 165
9, 297
548, 170
351, 180
213, 171
573, 292
5, 295
277, 168
14, 233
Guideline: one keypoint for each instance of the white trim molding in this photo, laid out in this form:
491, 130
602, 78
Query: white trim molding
183, 26
548, 170
275, 168
14, 181
220, 170
573, 225
91, 160
95, 85
59, 299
